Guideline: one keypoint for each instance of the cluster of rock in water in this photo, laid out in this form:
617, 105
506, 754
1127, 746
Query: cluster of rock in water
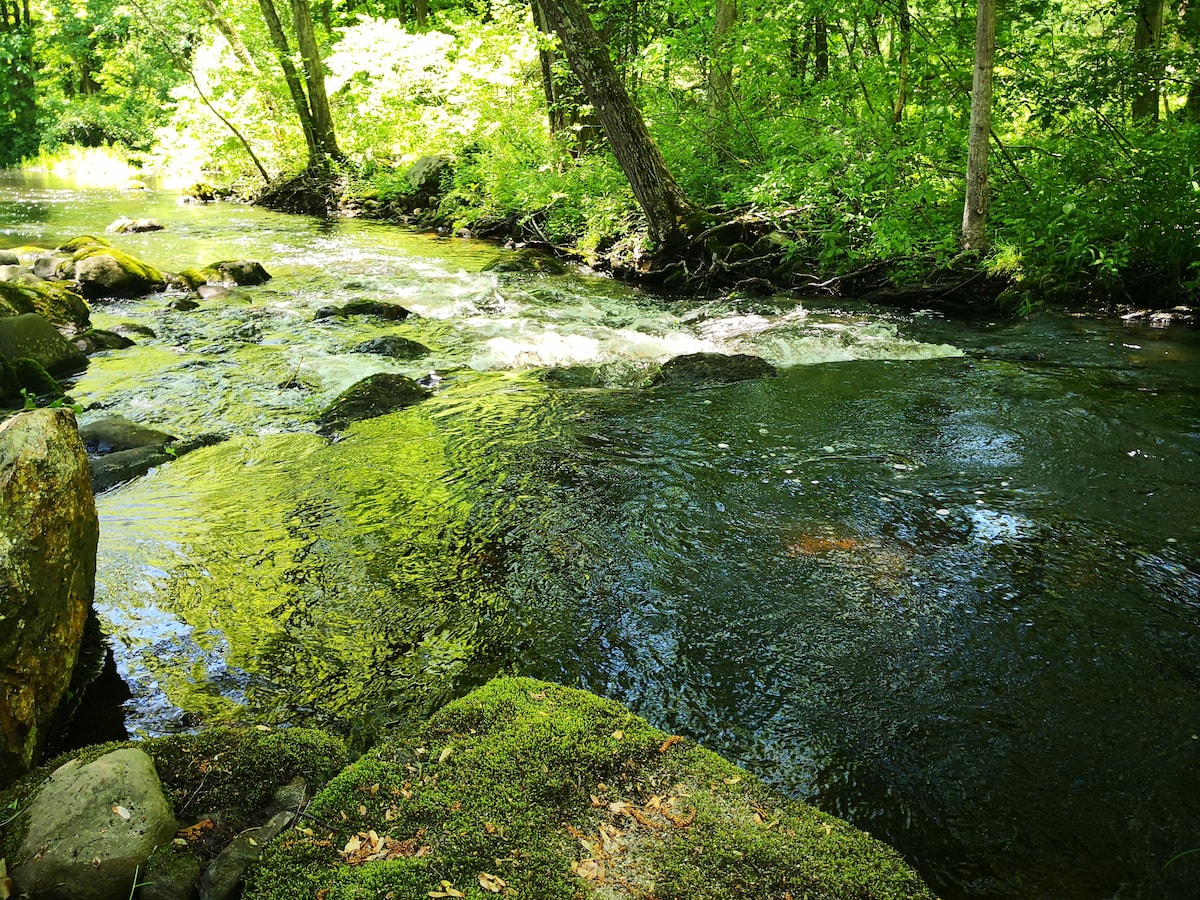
191, 815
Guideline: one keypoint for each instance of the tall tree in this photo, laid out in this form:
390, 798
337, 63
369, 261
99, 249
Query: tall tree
314, 78
18, 90
311, 106
668, 210
1147, 40
975, 210
720, 69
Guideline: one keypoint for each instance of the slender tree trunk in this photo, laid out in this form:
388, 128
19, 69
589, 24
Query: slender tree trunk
667, 208
565, 98
242, 52
1147, 40
720, 70
421, 12
904, 25
820, 49
314, 79
975, 210
283, 53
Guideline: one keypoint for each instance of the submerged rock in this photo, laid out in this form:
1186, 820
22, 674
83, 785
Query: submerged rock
239, 272
394, 346
8, 258
534, 790
119, 466
393, 312
92, 827
48, 535
113, 433
526, 260
96, 339
371, 397
125, 225
712, 368
30, 336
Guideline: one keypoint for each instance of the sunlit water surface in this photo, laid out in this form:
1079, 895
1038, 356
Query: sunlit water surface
939, 579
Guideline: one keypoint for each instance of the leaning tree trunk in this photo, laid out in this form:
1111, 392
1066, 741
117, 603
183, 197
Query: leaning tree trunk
975, 210
283, 52
666, 207
314, 79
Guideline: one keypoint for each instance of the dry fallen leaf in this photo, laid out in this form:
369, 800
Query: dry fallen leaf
445, 754
588, 869
734, 780
493, 883
618, 735
362, 811
122, 812
447, 890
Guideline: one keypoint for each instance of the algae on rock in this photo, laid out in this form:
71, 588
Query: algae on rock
543, 791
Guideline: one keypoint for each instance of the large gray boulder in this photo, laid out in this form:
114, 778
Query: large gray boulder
107, 272
48, 534
91, 827
30, 336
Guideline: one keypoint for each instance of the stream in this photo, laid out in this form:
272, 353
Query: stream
941, 579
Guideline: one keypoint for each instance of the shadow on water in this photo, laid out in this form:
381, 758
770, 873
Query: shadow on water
939, 579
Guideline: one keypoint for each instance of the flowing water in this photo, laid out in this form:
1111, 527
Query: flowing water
941, 579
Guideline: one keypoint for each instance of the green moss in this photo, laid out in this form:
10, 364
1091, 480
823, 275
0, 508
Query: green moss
14, 300
237, 770
34, 378
191, 277
561, 794
55, 302
83, 242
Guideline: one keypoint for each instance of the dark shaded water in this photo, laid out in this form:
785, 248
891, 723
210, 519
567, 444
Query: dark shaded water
939, 579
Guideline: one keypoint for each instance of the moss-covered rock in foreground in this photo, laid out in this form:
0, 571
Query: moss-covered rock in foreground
528, 789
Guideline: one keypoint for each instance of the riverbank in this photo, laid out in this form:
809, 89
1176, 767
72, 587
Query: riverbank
746, 252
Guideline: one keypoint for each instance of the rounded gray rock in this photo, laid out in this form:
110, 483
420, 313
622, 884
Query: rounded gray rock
91, 827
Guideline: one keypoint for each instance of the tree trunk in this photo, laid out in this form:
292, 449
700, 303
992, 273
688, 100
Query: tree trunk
720, 70
666, 207
975, 210
565, 98
421, 12
1147, 40
283, 52
904, 24
314, 79
820, 49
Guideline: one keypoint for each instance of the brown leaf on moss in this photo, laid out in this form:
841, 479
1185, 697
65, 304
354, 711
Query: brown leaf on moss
367, 846
669, 743
493, 883
589, 870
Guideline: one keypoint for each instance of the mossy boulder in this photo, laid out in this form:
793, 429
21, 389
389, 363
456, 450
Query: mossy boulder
54, 301
375, 395
30, 336
107, 272
528, 789
48, 535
